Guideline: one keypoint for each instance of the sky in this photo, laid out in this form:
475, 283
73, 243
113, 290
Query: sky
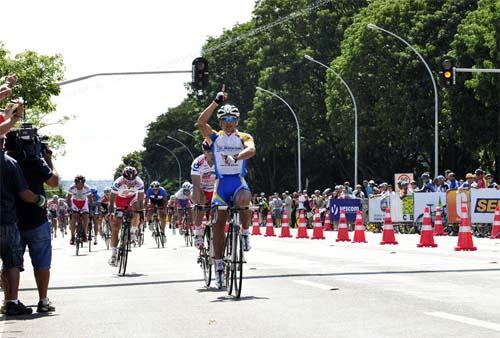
111, 113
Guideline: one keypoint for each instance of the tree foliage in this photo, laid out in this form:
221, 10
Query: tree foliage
392, 88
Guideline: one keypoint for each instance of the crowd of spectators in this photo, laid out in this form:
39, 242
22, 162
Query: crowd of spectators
291, 204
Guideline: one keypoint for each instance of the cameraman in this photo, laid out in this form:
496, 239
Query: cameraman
12, 183
33, 225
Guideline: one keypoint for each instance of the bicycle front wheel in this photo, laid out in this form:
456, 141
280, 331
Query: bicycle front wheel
237, 265
229, 262
205, 259
124, 249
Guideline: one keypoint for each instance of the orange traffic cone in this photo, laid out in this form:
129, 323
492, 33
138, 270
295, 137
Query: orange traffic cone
359, 229
318, 228
495, 229
269, 226
388, 234
426, 238
255, 225
302, 233
328, 223
285, 226
343, 234
465, 232
438, 224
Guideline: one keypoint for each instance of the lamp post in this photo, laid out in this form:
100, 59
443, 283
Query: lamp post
355, 115
436, 117
185, 146
178, 163
185, 132
299, 174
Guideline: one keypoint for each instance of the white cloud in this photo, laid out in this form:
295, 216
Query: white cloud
114, 36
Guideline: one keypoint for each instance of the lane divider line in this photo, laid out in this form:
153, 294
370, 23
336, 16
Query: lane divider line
466, 320
313, 284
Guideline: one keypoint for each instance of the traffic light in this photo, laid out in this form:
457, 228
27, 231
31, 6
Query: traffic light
200, 73
447, 71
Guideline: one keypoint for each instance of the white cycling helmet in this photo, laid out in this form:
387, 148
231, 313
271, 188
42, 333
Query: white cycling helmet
186, 186
228, 110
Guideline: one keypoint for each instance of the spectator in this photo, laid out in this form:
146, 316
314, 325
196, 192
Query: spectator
34, 227
469, 181
389, 190
369, 188
302, 199
263, 208
364, 186
12, 183
480, 179
413, 187
287, 204
427, 185
452, 181
440, 184
276, 209
295, 208
405, 190
318, 201
491, 181
347, 187
358, 193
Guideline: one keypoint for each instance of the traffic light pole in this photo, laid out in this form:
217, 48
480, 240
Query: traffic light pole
81, 78
473, 70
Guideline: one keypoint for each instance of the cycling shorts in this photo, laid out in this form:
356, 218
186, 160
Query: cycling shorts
123, 203
160, 204
53, 213
226, 188
80, 206
181, 204
208, 196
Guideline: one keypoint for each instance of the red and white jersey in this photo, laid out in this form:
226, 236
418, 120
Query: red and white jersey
125, 188
52, 205
79, 194
200, 167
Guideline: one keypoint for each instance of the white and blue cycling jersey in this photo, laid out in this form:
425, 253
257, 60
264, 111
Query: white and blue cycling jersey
158, 197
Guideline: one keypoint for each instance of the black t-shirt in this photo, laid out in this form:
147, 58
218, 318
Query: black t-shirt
12, 181
30, 215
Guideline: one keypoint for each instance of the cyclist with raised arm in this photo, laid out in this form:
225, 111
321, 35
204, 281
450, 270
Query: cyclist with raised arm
127, 193
156, 196
79, 199
231, 149
183, 201
203, 178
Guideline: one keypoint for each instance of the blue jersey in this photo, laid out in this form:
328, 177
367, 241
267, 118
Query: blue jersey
158, 197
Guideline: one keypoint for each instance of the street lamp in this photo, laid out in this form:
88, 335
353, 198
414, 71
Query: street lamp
355, 116
299, 175
178, 163
185, 132
185, 146
436, 117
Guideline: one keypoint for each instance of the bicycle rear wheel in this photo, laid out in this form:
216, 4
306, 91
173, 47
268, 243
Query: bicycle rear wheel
228, 261
205, 262
157, 235
237, 264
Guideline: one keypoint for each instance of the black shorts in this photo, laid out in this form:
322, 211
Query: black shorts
53, 213
158, 203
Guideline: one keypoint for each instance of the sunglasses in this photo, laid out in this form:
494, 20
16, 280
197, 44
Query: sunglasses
229, 119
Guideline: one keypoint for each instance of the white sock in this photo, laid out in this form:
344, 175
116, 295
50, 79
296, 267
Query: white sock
16, 301
246, 231
45, 301
113, 251
197, 231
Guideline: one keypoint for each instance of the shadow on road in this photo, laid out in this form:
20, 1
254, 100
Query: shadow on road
290, 275
233, 299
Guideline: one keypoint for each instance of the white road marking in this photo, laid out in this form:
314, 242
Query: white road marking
466, 320
313, 284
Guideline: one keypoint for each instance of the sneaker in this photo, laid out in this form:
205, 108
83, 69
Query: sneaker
245, 242
43, 308
13, 309
112, 260
72, 241
198, 242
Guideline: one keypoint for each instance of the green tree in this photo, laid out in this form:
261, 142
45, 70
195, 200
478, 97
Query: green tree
133, 159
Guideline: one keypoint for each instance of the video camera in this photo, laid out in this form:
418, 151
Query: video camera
30, 145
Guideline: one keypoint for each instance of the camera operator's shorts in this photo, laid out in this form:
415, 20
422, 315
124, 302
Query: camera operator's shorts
226, 188
39, 245
10, 247
80, 206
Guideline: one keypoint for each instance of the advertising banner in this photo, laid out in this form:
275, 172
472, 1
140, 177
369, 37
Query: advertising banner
454, 200
350, 206
377, 206
483, 205
407, 208
403, 177
427, 199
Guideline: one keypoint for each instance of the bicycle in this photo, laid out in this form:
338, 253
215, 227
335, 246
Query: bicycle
79, 234
159, 236
186, 228
89, 232
233, 248
448, 228
106, 233
206, 257
124, 245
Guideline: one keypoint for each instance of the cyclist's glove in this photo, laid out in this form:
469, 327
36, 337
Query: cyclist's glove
220, 97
